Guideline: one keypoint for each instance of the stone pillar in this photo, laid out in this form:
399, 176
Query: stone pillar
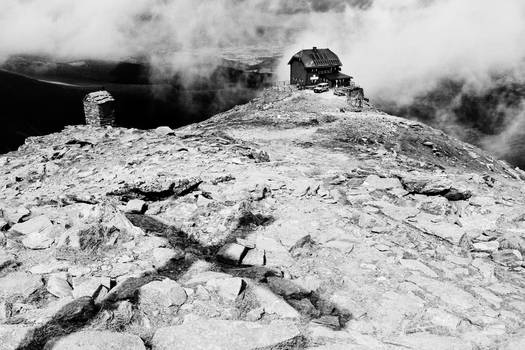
99, 108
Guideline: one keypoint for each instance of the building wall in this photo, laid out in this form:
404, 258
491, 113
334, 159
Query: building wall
298, 73
319, 72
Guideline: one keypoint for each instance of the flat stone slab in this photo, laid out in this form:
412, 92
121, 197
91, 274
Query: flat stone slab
227, 335
101, 340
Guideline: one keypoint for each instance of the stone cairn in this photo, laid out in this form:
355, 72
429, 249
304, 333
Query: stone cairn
99, 108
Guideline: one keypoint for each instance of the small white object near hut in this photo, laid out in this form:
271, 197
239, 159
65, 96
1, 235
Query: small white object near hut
99, 108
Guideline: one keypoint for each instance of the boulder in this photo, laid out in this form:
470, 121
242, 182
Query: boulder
206, 276
34, 225
89, 287
232, 253
15, 215
287, 288
227, 335
254, 257
38, 240
136, 206
273, 304
97, 340
486, 247
432, 186
38, 232
227, 288
162, 256
374, 182
164, 131
161, 294
58, 286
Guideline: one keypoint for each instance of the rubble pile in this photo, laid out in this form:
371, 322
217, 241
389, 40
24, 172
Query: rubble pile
271, 226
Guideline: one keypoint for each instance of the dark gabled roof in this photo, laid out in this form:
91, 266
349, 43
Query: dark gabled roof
317, 58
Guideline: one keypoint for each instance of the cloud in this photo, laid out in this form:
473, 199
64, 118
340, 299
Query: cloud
402, 48
397, 50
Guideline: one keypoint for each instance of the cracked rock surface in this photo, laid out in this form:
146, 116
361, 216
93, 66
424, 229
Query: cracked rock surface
285, 223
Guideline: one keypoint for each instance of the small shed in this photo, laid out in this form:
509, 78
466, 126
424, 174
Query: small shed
313, 66
99, 108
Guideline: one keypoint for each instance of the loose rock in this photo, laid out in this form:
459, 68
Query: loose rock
136, 206
58, 286
254, 257
227, 288
232, 253
161, 294
163, 256
273, 304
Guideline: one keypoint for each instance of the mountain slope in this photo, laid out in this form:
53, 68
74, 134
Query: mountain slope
290, 219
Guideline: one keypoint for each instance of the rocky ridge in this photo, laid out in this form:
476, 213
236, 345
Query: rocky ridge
291, 222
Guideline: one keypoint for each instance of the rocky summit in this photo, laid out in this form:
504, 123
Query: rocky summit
291, 222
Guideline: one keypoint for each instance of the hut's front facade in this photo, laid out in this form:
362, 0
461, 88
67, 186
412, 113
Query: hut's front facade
313, 66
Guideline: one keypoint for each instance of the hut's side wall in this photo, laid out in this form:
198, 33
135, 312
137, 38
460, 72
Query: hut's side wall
297, 73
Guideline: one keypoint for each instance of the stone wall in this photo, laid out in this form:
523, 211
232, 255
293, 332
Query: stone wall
99, 109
